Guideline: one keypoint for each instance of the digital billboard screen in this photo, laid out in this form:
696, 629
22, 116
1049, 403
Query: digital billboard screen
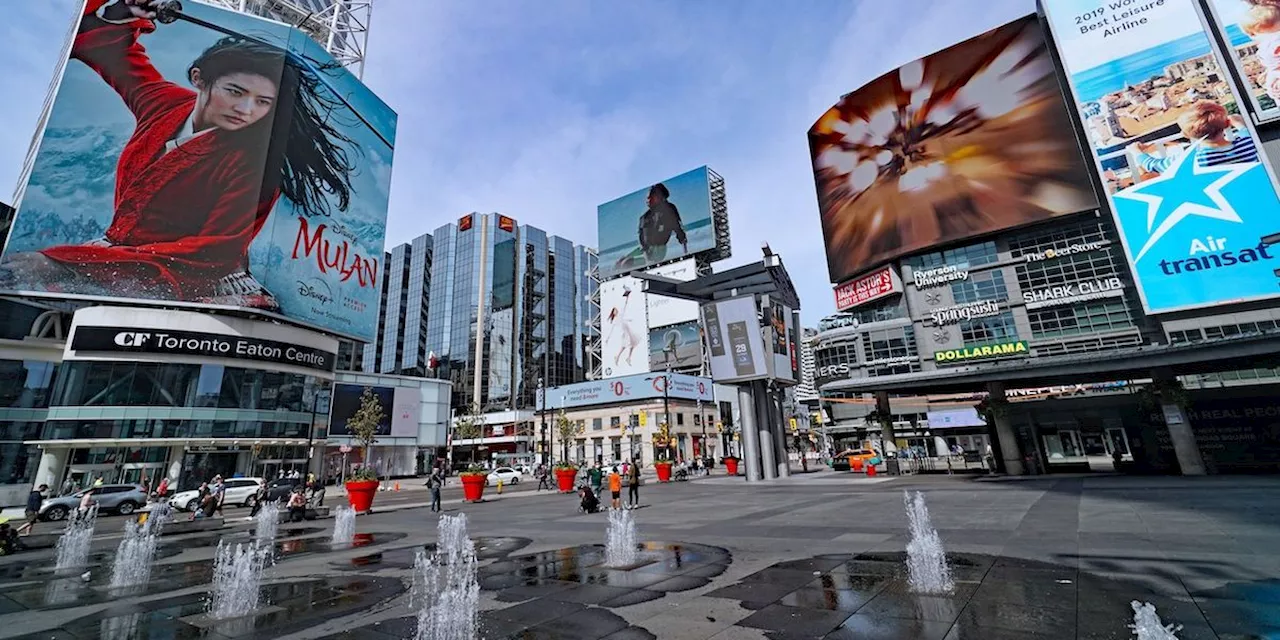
237, 166
735, 344
1252, 28
677, 346
1182, 168
624, 329
401, 409
659, 223
967, 141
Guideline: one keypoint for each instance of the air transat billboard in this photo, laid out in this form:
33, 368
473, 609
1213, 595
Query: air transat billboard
1181, 167
234, 166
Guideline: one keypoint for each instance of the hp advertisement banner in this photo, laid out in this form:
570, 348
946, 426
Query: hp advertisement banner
1180, 165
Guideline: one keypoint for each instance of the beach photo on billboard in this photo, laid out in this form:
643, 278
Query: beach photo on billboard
1252, 30
229, 167
1181, 165
659, 223
967, 141
624, 332
677, 346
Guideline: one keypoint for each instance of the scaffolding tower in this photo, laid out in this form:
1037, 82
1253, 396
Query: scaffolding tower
340, 26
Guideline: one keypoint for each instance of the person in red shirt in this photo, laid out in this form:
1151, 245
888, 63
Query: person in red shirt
202, 170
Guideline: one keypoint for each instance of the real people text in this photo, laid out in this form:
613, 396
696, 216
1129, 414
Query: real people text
1117, 16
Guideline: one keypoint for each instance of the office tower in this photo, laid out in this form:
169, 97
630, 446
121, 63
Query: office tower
526, 291
402, 319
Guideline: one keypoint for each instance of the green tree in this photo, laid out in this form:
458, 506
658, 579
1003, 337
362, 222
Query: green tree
566, 429
363, 425
469, 426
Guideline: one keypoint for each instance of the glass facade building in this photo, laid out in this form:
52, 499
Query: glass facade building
402, 319
524, 293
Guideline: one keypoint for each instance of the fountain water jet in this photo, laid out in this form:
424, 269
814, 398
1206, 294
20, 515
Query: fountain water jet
927, 570
237, 580
1148, 626
344, 525
137, 550
620, 540
445, 591
266, 524
73, 545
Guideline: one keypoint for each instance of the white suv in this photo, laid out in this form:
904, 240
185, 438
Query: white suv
239, 491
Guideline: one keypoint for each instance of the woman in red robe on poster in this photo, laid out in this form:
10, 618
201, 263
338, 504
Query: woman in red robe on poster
202, 170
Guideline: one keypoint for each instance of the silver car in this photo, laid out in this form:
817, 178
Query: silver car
120, 498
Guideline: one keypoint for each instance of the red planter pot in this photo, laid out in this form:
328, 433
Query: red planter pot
564, 479
731, 465
473, 487
360, 494
664, 471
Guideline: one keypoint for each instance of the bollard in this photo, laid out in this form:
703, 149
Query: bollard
397, 485
499, 487
871, 471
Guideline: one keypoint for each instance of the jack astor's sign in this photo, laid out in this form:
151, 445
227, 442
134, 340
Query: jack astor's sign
195, 343
999, 350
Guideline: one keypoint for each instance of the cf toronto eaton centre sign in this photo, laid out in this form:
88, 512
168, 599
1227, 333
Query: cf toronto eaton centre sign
195, 343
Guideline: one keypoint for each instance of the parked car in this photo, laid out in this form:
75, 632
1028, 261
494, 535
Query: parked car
239, 491
505, 475
123, 499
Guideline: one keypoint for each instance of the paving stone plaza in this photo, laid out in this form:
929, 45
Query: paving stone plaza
815, 556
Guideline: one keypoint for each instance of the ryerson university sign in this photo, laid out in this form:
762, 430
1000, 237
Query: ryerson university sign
195, 343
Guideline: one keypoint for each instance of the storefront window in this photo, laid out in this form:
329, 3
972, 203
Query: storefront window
140, 384
122, 429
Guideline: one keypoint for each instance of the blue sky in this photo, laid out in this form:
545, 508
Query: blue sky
543, 109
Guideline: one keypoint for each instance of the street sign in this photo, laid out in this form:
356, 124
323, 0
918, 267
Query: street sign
644, 418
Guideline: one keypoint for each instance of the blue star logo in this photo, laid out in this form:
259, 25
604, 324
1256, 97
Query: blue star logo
1185, 189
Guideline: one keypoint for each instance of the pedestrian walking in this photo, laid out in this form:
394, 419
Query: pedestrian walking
543, 478
68, 487
633, 486
434, 482
34, 501
615, 487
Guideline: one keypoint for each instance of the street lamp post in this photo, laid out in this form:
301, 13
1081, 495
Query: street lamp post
542, 414
666, 402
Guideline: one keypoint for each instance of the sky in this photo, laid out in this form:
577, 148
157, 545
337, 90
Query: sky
543, 109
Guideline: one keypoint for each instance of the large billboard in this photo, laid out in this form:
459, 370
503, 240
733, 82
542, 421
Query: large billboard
1252, 28
665, 311
401, 409
656, 224
967, 141
1181, 166
233, 166
627, 389
677, 346
623, 328
735, 343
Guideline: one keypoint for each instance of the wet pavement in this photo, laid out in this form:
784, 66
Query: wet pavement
1034, 560
289, 607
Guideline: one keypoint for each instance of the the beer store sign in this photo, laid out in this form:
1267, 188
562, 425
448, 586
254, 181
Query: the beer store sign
1073, 293
930, 278
1069, 250
964, 354
961, 312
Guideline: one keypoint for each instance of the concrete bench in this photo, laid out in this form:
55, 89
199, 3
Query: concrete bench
313, 513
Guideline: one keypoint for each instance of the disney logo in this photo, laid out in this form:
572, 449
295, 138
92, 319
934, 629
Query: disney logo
316, 289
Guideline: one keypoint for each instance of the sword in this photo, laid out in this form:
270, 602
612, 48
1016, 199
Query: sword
170, 11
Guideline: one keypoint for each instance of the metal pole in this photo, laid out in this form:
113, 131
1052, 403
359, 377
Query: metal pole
764, 430
666, 407
542, 414
750, 437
